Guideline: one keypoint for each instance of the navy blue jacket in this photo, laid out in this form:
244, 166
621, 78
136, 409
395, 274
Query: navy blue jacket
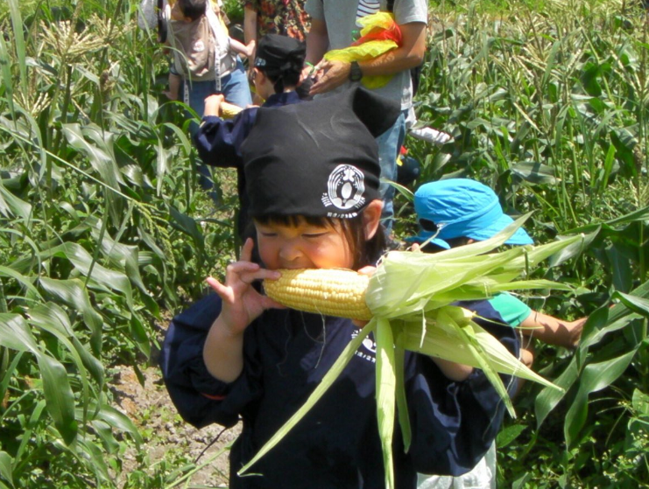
218, 142
286, 354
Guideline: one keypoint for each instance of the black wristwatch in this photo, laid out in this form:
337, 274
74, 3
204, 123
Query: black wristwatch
355, 73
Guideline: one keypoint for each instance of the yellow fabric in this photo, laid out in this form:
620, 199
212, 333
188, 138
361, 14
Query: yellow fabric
368, 50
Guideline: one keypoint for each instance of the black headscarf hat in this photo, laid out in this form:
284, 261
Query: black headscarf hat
278, 55
317, 159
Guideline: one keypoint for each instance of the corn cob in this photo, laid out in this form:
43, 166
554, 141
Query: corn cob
228, 111
332, 292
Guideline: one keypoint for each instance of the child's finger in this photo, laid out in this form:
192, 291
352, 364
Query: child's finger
368, 270
246, 250
217, 286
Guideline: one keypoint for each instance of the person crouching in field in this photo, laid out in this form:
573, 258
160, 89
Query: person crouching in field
312, 176
460, 211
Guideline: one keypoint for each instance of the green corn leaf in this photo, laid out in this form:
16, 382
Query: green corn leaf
58, 396
331, 376
53, 319
465, 331
15, 334
19, 42
639, 305
50, 317
101, 160
20, 278
74, 295
10, 205
6, 470
594, 377
488, 287
117, 420
442, 340
406, 281
385, 394
100, 276
5, 69
402, 400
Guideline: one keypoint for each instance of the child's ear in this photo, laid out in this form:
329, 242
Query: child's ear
372, 218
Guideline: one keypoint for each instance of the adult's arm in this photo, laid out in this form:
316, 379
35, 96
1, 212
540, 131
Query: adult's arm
249, 23
332, 74
317, 41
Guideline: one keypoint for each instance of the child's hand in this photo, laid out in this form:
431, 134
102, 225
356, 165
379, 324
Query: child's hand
242, 304
213, 105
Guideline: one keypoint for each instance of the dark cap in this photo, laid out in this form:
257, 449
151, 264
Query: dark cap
317, 159
278, 54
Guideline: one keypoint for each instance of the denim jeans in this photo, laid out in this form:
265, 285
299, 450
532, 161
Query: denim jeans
236, 90
389, 145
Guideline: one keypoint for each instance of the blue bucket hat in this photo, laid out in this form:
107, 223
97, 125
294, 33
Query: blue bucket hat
460, 207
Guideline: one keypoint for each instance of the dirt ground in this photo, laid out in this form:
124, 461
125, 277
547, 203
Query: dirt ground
150, 408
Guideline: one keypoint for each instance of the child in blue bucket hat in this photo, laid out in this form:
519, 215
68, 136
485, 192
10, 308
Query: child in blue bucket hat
461, 208
459, 211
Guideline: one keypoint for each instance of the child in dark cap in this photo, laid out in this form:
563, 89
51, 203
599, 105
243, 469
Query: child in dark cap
312, 176
276, 73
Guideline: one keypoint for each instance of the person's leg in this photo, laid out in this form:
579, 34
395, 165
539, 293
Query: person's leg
198, 92
235, 88
389, 143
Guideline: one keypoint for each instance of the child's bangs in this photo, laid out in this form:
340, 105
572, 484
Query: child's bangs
295, 221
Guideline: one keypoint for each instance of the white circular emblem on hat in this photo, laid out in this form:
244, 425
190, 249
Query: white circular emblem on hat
345, 188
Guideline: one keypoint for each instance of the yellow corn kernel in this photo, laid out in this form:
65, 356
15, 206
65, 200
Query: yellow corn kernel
228, 111
332, 292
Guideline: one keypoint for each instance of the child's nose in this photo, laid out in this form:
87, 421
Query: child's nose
290, 251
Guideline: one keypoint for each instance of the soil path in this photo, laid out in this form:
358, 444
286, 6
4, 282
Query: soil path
167, 436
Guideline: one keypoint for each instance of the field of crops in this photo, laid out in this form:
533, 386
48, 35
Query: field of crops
105, 233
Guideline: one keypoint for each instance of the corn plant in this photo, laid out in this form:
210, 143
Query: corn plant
96, 187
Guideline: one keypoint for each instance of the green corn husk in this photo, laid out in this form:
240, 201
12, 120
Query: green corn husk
409, 295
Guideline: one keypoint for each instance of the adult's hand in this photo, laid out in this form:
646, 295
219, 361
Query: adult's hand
330, 75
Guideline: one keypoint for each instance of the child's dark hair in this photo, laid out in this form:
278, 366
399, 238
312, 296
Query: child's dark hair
281, 79
280, 58
193, 9
365, 252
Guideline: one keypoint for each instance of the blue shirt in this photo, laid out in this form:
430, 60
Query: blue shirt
286, 354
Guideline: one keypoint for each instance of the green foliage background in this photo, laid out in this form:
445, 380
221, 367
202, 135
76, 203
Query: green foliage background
103, 233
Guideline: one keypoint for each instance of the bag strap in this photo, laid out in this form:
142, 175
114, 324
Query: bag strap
162, 22
213, 21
